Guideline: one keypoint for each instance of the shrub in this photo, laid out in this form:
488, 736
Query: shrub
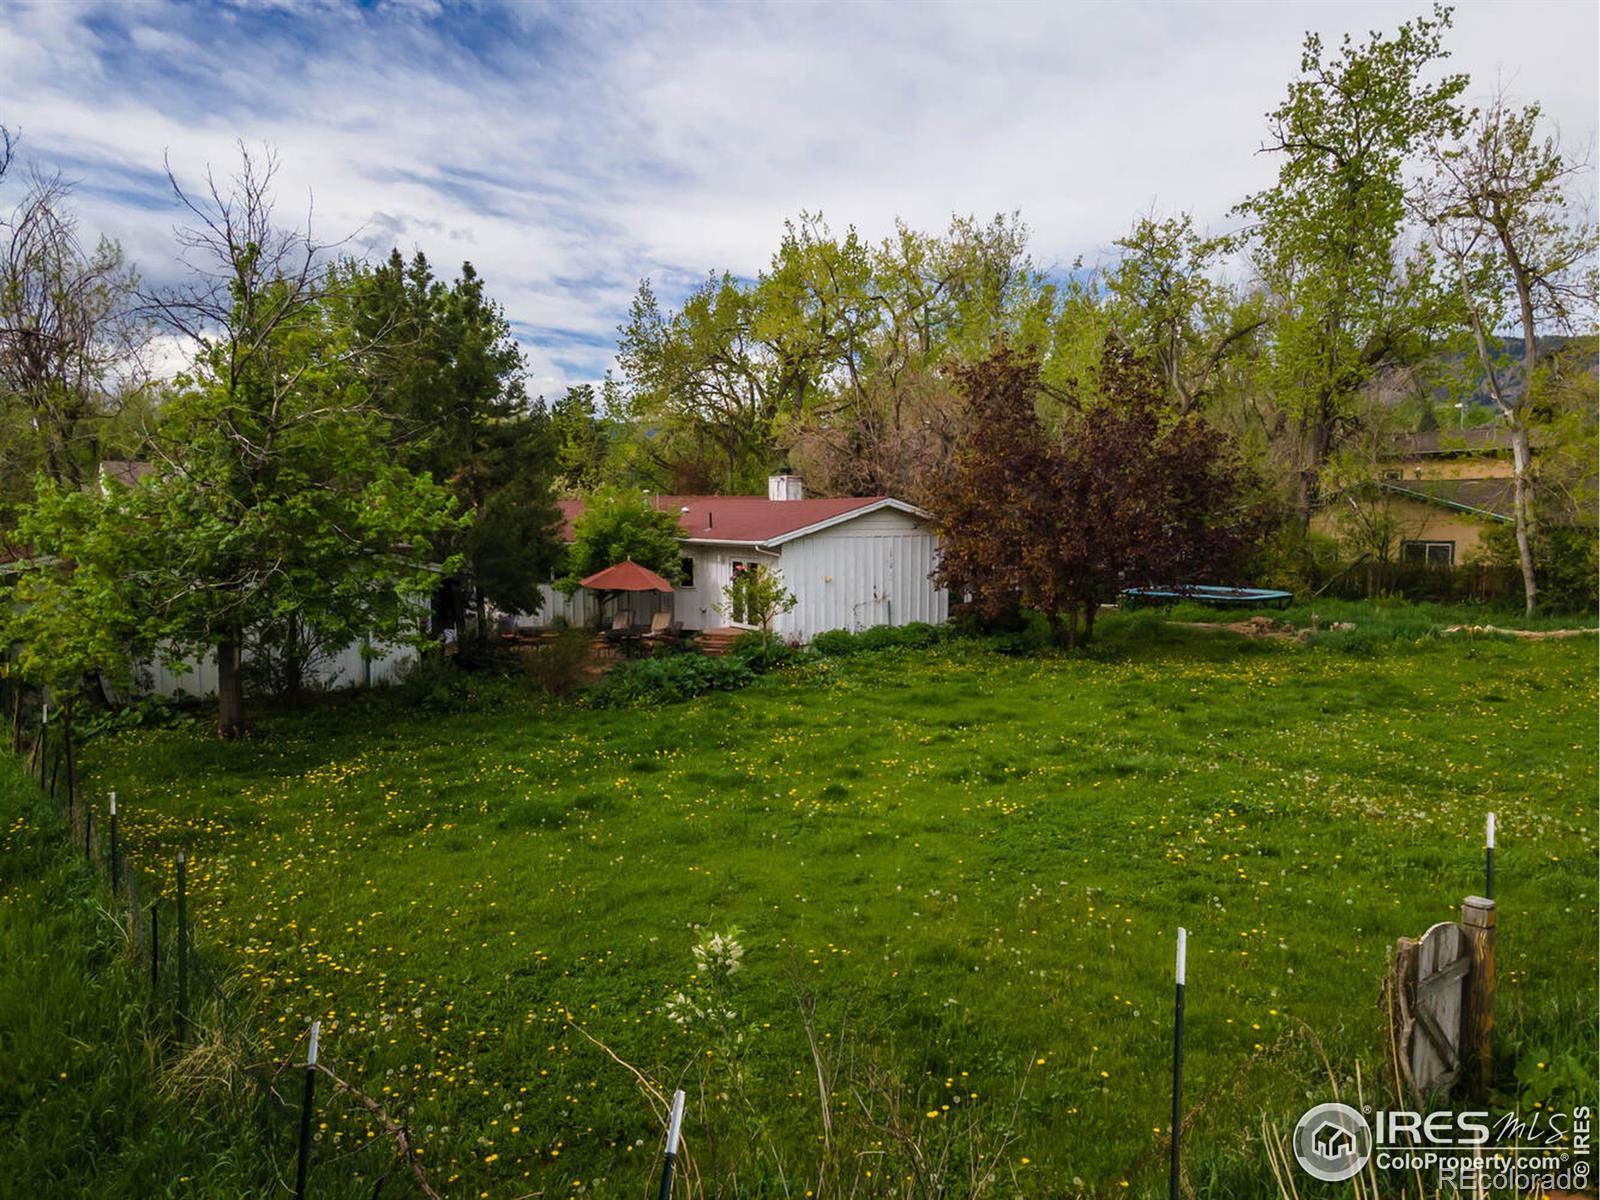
1296, 560
763, 650
835, 642
440, 685
1564, 564
668, 679
918, 635
559, 666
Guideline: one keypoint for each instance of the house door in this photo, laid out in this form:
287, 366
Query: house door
736, 614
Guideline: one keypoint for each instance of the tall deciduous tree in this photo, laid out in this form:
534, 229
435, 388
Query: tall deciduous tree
70, 337
1497, 206
71, 611
1167, 305
831, 357
1120, 490
275, 492
1327, 236
705, 386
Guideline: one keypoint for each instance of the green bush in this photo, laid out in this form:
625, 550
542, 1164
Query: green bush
559, 666
763, 650
836, 642
918, 635
443, 685
143, 712
1296, 560
1565, 564
669, 678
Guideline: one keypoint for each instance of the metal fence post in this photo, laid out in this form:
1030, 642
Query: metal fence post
304, 1165
1177, 1064
116, 874
674, 1131
183, 949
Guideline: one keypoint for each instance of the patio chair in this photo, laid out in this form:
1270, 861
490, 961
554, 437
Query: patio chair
660, 626
620, 625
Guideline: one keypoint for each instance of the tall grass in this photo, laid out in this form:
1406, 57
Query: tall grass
84, 1110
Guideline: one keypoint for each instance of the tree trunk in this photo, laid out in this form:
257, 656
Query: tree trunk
1318, 431
1521, 446
230, 689
294, 662
1522, 511
1057, 629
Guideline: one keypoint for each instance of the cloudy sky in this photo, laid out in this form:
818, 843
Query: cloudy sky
569, 150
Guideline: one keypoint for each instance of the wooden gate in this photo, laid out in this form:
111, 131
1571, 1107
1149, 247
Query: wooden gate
1428, 992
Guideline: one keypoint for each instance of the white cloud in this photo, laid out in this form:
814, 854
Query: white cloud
568, 151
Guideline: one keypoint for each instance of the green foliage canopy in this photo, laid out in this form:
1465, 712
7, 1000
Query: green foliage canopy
621, 523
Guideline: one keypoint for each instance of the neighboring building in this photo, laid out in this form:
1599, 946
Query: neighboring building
1441, 491
851, 563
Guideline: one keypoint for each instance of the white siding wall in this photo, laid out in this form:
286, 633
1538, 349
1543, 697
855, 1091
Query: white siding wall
874, 570
713, 571
579, 610
345, 669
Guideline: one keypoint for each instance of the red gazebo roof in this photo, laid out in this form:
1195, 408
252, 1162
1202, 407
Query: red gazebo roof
627, 576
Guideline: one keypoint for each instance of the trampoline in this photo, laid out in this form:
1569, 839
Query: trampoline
1211, 596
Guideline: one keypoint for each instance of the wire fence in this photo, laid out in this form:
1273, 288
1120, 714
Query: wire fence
199, 1013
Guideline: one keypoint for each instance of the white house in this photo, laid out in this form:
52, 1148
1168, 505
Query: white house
851, 563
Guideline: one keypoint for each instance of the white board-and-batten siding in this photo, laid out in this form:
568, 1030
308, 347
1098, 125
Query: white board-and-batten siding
348, 668
874, 570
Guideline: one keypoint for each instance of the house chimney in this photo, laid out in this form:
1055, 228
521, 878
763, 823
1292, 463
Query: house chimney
785, 487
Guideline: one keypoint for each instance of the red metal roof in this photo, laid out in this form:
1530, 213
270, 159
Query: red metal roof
627, 576
738, 518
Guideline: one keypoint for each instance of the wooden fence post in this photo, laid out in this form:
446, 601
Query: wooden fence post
1478, 918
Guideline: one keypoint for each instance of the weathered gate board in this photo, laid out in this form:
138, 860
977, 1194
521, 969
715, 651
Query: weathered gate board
1443, 959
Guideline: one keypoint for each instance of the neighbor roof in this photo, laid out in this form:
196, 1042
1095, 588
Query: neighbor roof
750, 519
1483, 497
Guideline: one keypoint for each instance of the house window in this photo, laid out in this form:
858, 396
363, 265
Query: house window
1391, 474
686, 569
1434, 554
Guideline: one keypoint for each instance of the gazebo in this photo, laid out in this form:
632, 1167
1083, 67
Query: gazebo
627, 578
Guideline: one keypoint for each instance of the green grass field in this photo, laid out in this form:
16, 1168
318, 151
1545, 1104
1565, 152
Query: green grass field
967, 868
